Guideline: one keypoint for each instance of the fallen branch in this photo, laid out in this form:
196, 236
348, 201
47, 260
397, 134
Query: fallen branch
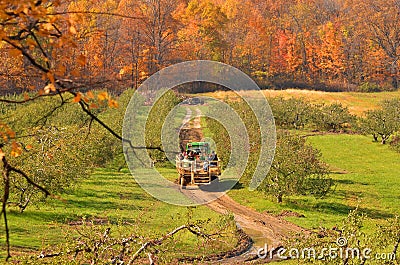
159, 241
100, 246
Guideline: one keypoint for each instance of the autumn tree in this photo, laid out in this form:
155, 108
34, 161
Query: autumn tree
159, 31
12, 70
146, 43
248, 34
330, 59
201, 37
381, 25
299, 18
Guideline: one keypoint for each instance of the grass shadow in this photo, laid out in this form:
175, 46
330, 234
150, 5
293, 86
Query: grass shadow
44, 217
238, 186
376, 214
349, 182
344, 181
96, 205
335, 208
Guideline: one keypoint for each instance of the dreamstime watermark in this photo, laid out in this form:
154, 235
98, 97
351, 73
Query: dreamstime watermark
340, 251
148, 95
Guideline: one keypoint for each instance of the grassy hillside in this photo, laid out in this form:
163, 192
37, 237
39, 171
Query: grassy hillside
365, 174
110, 198
356, 102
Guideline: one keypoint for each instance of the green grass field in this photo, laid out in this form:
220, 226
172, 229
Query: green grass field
365, 174
110, 198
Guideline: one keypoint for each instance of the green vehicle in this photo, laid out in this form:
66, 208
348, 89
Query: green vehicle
198, 147
199, 166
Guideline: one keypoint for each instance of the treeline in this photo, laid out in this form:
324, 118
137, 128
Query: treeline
322, 44
383, 124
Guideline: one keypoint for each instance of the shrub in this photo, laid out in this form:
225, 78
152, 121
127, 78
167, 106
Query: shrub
369, 87
290, 113
155, 121
382, 122
56, 159
296, 169
334, 117
306, 174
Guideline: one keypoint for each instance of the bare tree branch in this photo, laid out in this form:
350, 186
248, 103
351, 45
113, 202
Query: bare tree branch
155, 242
30, 181
98, 246
7, 169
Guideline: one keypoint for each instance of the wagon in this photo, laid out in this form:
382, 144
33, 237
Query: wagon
200, 168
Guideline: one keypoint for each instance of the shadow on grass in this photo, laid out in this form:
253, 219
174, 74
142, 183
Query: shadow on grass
44, 217
345, 181
336, 209
238, 186
66, 217
350, 182
127, 183
325, 207
91, 194
95, 205
110, 172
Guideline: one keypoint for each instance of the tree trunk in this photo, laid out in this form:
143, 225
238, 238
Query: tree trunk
279, 197
395, 82
384, 139
396, 245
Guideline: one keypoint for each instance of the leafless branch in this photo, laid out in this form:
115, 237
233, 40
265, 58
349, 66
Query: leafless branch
155, 242
105, 242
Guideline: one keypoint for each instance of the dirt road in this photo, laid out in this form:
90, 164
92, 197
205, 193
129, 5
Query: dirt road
261, 227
